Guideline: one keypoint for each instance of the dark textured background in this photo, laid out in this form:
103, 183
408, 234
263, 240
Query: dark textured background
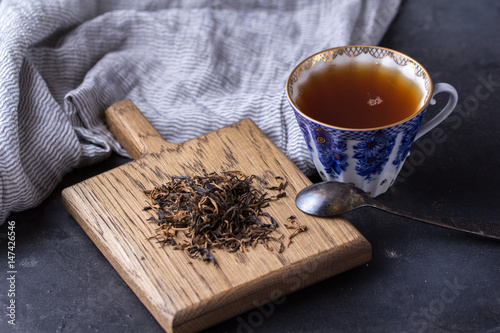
421, 278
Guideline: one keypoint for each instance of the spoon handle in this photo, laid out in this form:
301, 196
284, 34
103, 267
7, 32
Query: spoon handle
482, 228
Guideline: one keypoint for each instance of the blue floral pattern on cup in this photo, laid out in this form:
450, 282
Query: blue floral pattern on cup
334, 157
369, 151
372, 154
408, 138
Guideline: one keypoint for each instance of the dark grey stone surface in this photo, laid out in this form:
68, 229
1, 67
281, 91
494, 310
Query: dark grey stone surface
421, 278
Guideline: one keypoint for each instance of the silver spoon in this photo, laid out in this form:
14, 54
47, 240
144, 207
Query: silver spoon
333, 198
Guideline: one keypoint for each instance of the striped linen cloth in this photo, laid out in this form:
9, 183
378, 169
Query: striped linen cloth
190, 66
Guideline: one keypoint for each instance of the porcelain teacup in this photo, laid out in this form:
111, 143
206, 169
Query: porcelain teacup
369, 158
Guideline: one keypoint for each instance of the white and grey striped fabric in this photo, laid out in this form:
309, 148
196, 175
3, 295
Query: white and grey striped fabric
190, 66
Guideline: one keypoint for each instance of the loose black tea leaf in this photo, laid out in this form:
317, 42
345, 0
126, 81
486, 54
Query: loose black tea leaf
295, 226
215, 211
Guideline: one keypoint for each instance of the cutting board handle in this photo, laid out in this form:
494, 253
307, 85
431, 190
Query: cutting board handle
134, 132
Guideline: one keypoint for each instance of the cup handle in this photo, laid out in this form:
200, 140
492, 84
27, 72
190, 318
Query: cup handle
445, 112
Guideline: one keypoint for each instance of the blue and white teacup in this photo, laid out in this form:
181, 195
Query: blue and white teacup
369, 158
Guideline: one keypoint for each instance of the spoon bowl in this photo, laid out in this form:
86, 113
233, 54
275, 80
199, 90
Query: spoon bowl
332, 198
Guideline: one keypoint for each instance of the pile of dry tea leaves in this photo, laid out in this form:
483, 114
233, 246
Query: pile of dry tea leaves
216, 211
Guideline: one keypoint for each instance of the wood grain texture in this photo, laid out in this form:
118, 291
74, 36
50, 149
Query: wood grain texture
185, 294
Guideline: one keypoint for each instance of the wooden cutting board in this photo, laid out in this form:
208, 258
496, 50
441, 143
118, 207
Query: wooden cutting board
186, 294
